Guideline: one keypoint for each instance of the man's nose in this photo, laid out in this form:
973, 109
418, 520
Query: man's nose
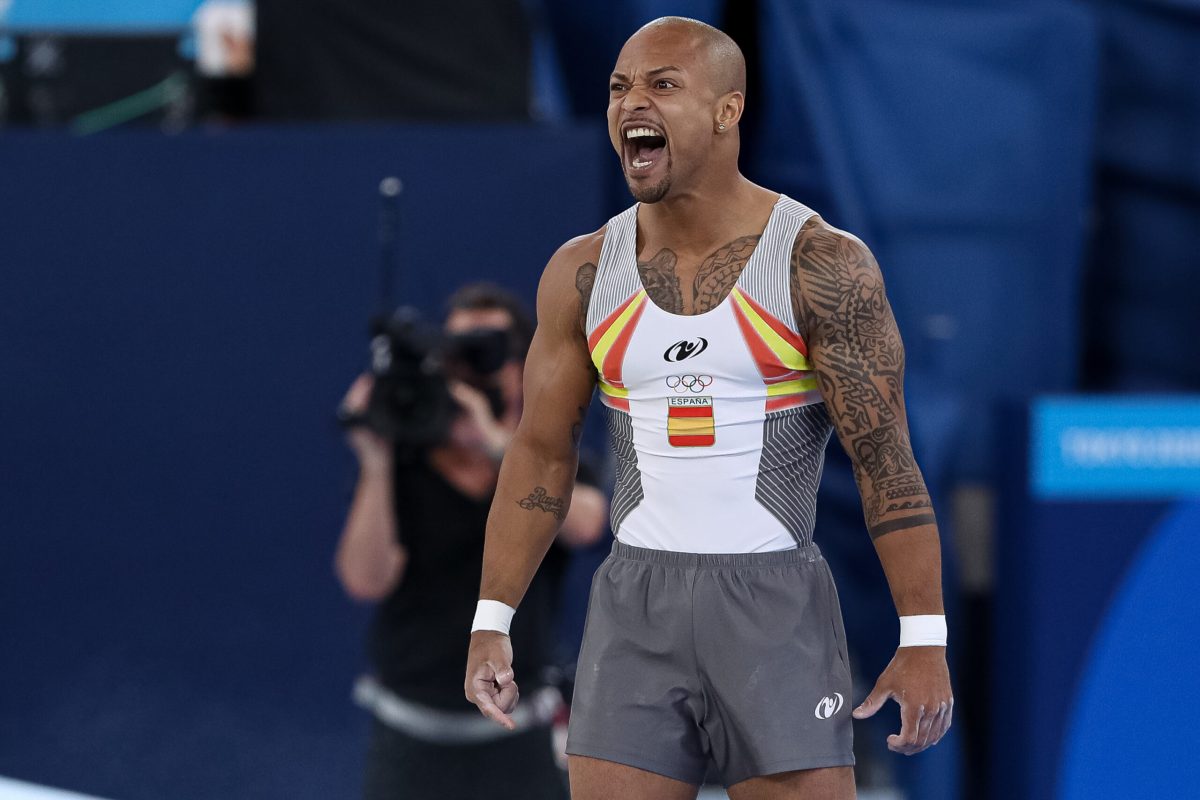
636, 99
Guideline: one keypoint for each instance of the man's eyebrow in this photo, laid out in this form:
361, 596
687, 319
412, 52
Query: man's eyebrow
649, 73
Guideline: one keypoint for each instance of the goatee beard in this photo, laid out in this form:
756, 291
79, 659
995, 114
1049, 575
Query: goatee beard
651, 194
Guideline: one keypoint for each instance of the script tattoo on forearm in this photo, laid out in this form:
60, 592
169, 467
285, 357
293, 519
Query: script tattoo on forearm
538, 499
843, 311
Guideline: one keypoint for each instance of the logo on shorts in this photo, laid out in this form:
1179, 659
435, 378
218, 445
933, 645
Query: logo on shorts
685, 349
828, 706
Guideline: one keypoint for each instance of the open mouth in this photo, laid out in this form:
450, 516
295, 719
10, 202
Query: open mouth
644, 147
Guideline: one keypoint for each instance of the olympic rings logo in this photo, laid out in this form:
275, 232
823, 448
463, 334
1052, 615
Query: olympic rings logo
689, 383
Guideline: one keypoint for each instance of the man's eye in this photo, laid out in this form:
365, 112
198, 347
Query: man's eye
665, 84
616, 87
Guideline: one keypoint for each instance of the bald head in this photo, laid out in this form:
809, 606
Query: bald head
723, 59
675, 98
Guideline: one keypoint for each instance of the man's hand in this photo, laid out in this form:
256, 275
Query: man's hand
917, 679
490, 682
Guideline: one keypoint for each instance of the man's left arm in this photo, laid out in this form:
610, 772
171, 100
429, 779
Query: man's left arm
858, 357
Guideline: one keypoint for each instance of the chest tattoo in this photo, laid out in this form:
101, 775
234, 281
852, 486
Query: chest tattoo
713, 281
720, 272
661, 282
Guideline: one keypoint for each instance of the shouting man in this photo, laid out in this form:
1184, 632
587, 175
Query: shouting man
730, 331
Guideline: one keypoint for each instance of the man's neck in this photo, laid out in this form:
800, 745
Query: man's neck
704, 215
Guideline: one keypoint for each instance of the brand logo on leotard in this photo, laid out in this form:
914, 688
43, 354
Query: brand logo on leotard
828, 706
686, 348
689, 383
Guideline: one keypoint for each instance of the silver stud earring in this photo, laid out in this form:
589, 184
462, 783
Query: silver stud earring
721, 126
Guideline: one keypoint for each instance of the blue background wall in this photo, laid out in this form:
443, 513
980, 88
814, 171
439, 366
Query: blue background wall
178, 320
1139, 681
1097, 629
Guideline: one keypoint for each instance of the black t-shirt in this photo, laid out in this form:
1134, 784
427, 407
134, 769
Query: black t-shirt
419, 638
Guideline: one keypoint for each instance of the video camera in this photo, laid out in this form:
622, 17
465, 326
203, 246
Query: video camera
413, 363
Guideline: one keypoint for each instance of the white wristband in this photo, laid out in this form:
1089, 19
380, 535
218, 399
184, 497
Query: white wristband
924, 630
492, 615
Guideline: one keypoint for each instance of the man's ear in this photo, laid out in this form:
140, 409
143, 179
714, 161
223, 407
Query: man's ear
729, 111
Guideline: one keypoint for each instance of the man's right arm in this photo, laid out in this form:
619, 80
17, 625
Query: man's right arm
534, 489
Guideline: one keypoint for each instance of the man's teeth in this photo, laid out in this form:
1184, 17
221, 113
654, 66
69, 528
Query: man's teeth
633, 133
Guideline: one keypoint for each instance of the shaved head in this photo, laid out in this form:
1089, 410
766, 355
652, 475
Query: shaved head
726, 66
675, 98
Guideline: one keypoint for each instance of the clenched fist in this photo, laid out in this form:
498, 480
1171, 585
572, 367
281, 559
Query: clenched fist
490, 682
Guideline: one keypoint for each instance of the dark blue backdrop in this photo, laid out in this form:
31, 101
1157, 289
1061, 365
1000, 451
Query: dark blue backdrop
1096, 615
179, 319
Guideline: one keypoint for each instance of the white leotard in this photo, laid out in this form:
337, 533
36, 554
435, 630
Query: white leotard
717, 424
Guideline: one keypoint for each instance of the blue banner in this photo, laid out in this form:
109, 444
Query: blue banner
1115, 447
91, 15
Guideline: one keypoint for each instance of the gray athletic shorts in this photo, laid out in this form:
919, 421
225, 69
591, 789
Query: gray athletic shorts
738, 660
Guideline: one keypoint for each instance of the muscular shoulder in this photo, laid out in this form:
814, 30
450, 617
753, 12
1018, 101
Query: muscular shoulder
580, 254
566, 286
835, 278
586, 246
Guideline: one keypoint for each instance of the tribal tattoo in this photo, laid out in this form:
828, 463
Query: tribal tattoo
844, 314
661, 282
548, 503
714, 280
720, 272
585, 279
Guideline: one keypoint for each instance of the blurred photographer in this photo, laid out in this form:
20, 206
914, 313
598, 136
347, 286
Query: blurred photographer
413, 542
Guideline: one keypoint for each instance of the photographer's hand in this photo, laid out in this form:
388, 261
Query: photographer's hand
370, 560
495, 435
373, 451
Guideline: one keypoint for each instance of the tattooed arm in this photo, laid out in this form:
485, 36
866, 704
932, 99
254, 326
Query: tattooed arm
858, 358
536, 478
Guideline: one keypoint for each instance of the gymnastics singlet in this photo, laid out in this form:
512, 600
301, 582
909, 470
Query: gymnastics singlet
716, 420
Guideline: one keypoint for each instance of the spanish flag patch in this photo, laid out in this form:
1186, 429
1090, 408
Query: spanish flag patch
690, 422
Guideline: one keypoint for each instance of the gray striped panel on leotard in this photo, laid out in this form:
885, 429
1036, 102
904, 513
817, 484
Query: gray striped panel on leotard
616, 275
789, 471
767, 276
627, 489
